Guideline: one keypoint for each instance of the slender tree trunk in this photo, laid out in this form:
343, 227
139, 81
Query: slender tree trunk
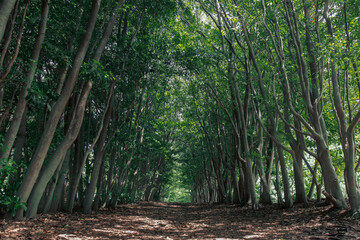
100, 187
265, 197
108, 31
1, 96
234, 182
285, 177
7, 40
314, 180
277, 182
6, 6
265, 187
297, 145
57, 200
75, 168
299, 178
18, 148
59, 171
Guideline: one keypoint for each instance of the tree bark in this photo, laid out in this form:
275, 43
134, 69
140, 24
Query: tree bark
58, 197
53, 197
7, 40
109, 28
6, 6
18, 148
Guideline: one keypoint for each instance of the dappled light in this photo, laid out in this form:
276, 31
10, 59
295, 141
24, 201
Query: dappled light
156, 220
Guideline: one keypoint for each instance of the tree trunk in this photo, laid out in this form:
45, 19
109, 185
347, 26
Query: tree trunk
60, 171
299, 178
277, 182
7, 40
75, 169
285, 178
6, 6
108, 31
57, 200
234, 181
265, 197
18, 148
297, 145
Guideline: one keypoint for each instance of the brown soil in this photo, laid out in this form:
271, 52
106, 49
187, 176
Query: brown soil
149, 220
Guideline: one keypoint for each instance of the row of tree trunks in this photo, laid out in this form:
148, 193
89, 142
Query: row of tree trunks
56, 112
346, 126
59, 155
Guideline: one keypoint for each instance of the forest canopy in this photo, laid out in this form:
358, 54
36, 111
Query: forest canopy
106, 102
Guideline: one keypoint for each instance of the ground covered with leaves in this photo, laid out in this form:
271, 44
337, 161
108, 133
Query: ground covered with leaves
150, 220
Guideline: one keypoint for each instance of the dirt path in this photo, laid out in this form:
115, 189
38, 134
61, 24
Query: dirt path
148, 220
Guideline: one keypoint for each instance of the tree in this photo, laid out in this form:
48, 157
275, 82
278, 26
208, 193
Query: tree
5, 10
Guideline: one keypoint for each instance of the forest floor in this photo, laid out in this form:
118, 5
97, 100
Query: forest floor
151, 220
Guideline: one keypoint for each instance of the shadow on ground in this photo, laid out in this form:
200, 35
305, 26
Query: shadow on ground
150, 220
